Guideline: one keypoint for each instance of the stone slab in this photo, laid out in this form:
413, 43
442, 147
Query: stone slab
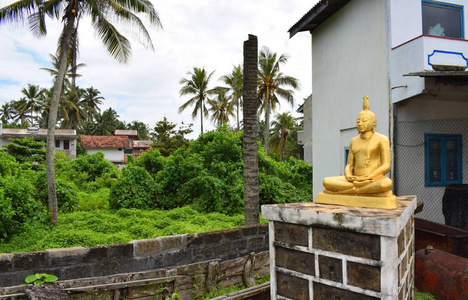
383, 222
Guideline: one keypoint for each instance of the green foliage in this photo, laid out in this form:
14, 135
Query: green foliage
40, 278
94, 166
89, 201
135, 189
17, 205
209, 176
67, 196
151, 160
168, 139
102, 227
422, 296
27, 150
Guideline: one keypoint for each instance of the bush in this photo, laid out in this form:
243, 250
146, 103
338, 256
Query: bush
67, 196
134, 189
17, 205
88, 201
94, 166
151, 160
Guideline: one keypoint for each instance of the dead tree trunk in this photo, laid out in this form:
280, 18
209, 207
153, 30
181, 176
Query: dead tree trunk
251, 200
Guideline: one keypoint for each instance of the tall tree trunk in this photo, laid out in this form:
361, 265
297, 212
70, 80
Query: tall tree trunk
266, 131
238, 122
54, 105
201, 114
251, 199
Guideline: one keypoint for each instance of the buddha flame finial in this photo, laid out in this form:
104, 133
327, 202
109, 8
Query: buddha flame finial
365, 103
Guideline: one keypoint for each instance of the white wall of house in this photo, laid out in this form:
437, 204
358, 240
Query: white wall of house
349, 54
307, 131
406, 19
111, 154
410, 50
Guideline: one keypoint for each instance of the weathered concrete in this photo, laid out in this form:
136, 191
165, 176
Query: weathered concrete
322, 251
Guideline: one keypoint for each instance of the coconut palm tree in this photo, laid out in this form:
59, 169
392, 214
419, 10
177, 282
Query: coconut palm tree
105, 123
142, 129
221, 107
6, 112
71, 112
69, 12
283, 126
197, 86
33, 102
20, 116
90, 102
71, 72
235, 82
272, 85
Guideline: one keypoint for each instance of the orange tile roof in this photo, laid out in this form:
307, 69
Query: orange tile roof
104, 141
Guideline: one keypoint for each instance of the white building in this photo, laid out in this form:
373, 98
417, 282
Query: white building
65, 139
113, 147
389, 49
304, 137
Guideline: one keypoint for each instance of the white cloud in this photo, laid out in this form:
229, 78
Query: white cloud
201, 33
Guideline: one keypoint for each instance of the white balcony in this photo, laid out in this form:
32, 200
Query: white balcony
418, 55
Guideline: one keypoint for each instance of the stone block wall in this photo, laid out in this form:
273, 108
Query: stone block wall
135, 256
332, 252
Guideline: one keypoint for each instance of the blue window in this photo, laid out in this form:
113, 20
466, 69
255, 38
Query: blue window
442, 19
443, 159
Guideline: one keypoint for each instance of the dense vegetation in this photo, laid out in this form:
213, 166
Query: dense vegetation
197, 188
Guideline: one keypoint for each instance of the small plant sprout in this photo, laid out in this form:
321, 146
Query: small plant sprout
40, 278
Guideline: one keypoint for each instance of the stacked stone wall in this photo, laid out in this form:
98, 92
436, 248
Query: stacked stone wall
135, 256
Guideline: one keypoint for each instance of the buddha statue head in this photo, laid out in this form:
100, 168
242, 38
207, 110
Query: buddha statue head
365, 120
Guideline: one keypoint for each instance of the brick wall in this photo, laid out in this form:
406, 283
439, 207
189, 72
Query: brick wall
140, 255
338, 252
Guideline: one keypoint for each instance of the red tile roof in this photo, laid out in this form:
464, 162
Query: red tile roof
104, 141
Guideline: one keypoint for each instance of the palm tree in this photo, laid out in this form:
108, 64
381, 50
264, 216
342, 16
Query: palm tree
18, 113
141, 128
90, 102
70, 12
71, 73
6, 112
105, 124
283, 125
33, 102
197, 85
271, 85
235, 82
221, 107
71, 112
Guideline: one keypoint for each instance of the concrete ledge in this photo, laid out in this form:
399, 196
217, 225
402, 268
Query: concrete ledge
365, 220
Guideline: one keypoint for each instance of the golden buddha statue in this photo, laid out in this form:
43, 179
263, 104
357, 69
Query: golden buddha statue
364, 183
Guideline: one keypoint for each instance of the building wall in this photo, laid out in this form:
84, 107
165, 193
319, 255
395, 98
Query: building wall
415, 119
307, 131
349, 53
406, 19
71, 152
113, 154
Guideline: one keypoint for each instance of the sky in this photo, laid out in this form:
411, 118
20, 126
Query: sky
200, 33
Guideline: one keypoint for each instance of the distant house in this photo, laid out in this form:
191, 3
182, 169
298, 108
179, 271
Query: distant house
113, 147
116, 147
304, 137
65, 139
409, 57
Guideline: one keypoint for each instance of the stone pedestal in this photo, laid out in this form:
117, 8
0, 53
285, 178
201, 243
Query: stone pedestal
321, 251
